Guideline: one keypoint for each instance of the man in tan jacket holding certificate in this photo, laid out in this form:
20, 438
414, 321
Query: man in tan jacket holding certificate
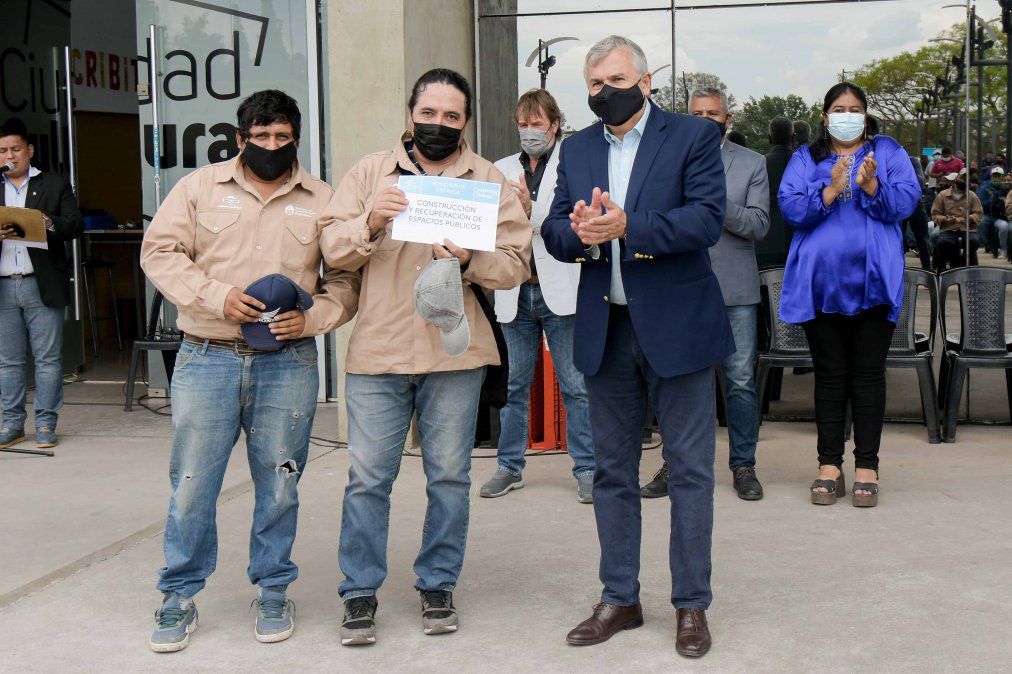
399, 363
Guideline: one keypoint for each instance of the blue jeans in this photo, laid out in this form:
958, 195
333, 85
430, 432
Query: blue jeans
739, 387
25, 319
215, 395
379, 415
984, 233
1002, 226
685, 409
523, 340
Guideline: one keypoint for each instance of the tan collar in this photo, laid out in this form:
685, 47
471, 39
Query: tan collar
232, 170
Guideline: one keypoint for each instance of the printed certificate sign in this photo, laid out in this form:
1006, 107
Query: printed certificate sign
464, 211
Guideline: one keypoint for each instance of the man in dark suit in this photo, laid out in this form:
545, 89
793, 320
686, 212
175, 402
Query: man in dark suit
746, 222
772, 251
650, 318
34, 289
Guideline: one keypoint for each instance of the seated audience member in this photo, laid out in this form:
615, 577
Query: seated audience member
950, 212
992, 198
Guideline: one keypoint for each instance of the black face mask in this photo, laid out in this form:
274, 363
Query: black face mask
616, 106
269, 164
721, 126
435, 141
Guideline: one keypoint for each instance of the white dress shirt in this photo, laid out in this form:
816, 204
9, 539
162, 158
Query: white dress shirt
621, 156
14, 254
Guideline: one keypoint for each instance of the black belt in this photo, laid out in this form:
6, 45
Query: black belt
239, 346
18, 277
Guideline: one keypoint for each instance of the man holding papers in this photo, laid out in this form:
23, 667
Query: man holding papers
34, 287
399, 363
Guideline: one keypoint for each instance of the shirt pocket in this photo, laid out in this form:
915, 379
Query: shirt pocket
300, 250
218, 238
387, 242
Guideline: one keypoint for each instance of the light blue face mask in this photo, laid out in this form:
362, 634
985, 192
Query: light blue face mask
846, 126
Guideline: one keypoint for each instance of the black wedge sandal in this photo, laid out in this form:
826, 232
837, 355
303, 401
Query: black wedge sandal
835, 489
865, 500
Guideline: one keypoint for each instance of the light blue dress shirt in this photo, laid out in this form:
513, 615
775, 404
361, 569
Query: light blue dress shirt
621, 156
14, 254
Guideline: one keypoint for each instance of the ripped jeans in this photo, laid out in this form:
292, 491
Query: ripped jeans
215, 394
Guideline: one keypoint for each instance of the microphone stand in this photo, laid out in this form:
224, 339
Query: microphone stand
34, 452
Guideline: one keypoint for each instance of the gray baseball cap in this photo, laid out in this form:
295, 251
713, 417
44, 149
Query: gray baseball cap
439, 299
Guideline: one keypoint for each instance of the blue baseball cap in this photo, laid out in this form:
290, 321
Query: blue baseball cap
279, 294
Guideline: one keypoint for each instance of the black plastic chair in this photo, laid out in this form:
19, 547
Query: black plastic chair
788, 345
983, 341
153, 340
910, 349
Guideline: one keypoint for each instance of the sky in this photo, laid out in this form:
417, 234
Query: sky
755, 50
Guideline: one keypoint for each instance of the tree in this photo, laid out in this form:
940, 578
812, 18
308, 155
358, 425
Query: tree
693, 81
896, 87
754, 118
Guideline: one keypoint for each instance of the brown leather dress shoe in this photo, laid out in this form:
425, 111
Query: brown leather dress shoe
606, 621
693, 638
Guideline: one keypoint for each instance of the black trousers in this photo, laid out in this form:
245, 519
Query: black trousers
950, 250
918, 223
849, 354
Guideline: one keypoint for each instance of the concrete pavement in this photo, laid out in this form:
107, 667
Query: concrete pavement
920, 583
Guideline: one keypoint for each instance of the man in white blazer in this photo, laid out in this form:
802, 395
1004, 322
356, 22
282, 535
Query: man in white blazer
543, 305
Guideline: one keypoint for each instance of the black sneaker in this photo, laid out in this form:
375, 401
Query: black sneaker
746, 483
438, 614
359, 626
658, 486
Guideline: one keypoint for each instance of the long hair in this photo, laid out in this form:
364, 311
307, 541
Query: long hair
820, 146
442, 76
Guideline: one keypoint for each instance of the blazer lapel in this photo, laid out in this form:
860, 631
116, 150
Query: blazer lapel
727, 155
34, 195
645, 155
598, 163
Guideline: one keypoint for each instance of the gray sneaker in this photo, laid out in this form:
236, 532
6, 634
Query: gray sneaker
585, 488
174, 623
275, 616
359, 625
501, 484
438, 613
10, 437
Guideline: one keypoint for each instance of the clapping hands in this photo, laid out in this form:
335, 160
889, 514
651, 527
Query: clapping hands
866, 178
594, 227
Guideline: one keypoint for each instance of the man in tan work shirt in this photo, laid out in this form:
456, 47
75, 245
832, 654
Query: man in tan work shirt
949, 213
221, 228
397, 364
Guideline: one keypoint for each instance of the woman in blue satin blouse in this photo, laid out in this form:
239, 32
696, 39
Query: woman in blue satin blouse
846, 195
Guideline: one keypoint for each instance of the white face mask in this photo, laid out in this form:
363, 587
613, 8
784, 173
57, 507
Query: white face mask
845, 126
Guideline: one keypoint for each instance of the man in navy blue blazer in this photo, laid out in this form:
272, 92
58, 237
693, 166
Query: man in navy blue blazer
650, 320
